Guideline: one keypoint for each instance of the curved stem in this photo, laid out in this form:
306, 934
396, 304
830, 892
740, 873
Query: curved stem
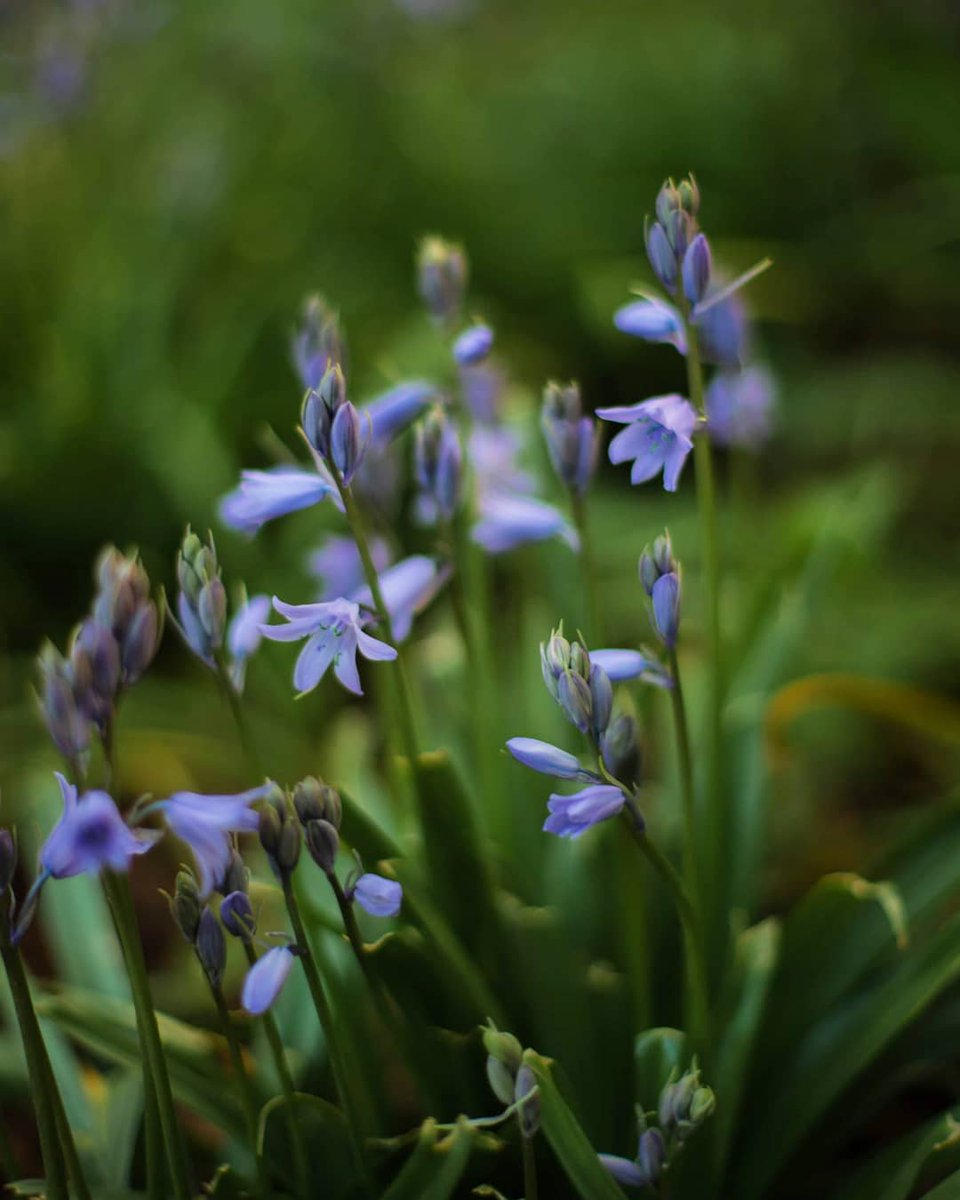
40, 1073
588, 569
341, 1075
117, 888
275, 1042
529, 1168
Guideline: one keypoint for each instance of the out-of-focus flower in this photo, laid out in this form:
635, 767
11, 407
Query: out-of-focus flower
317, 343
90, 835
338, 566
482, 387
67, 723
658, 437
334, 633
378, 896
439, 468
262, 496
202, 598
392, 411
570, 816
205, 824
646, 1169
442, 278
621, 665
265, 979
652, 320
739, 407
572, 438
508, 521
492, 451
244, 636
407, 588
473, 345
123, 605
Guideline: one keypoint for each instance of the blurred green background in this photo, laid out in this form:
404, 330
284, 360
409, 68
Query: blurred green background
174, 177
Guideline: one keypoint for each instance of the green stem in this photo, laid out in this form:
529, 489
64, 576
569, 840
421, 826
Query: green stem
152, 1139
40, 1073
341, 1076
588, 569
275, 1042
117, 888
251, 1109
529, 1167
685, 764
233, 700
70, 1155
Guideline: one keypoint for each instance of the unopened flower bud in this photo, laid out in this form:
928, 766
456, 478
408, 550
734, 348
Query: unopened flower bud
323, 842
317, 343
236, 913
696, 269
573, 696
651, 1156
67, 725
349, 437
689, 194
315, 421
501, 1079
270, 825
503, 1047
442, 278
185, 905
662, 258
657, 560
140, 643
666, 608
601, 699
439, 466
620, 748
212, 611
236, 877
473, 345
316, 801
524, 1094
211, 947
571, 437
96, 659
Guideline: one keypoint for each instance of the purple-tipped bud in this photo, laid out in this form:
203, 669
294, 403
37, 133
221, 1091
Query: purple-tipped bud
651, 1156
526, 1096
236, 913
211, 947
185, 905
662, 257
315, 421
236, 877
624, 1170
554, 660
378, 896
323, 843
349, 437
67, 724
473, 345
666, 608
572, 438
8, 859
547, 759
601, 699
265, 979
140, 644
697, 264
439, 467
657, 560
441, 278
212, 611
573, 696
668, 201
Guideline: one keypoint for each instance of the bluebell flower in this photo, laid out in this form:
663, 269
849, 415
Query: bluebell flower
739, 407
392, 411
123, 605
66, 722
378, 896
547, 759
492, 451
473, 345
442, 278
90, 835
508, 521
96, 670
244, 636
721, 330
236, 913
205, 824
624, 1170
264, 495
407, 588
652, 320
666, 608
645, 1170
621, 665
334, 633
202, 599
697, 265
482, 387
572, 438
655, 561
570, 816
439, 468
211, 947
265, 979
338, 566
658, 437
317, 343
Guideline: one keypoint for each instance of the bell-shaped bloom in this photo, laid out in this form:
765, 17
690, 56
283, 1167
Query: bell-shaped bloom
666, 608
407, 588
624, 1170
334, 633
90, 835
205, 824
621, 665
265, 979
721, 330
244, 636
739, 407
572, 815
262, 496
482, 387
547, 759
338, 566
378, 896
508, 520
473, 345
392, 411
658, 437
317, 343
493, 451
652, 320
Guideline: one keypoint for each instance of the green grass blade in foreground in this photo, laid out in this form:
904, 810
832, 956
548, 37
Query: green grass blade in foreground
893, 1173
437, 1164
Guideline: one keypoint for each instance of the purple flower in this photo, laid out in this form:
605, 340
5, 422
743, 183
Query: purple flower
334, 633
243, 634
481, 387
572, 815
624, 1170
263, 495
205, 823
572, 439
652, 320
378, 896
657, 437
697, 263
508, 520
739, 407
547, 759
317, 343
350, 435
473, 345
722, 330
492, 452
338, 566
407, 588
265, 979
90, 835
622, 664
666, 608
439, 468
392, 411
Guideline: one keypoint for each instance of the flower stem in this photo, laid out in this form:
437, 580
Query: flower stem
275, 1042
529, 1167
588, 569
38, 1066
341, 1075
117, 888
685, 763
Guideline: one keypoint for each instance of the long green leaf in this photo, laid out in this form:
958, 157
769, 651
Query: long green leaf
436, 1165
893, 1173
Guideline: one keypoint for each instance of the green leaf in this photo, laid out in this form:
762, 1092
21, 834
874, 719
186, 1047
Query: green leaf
436, 1165
323, 1130
194, 1057
570, 1144
893, 1173
657, 1053
946, 1189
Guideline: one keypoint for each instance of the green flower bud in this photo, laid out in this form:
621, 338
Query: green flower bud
185, 904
